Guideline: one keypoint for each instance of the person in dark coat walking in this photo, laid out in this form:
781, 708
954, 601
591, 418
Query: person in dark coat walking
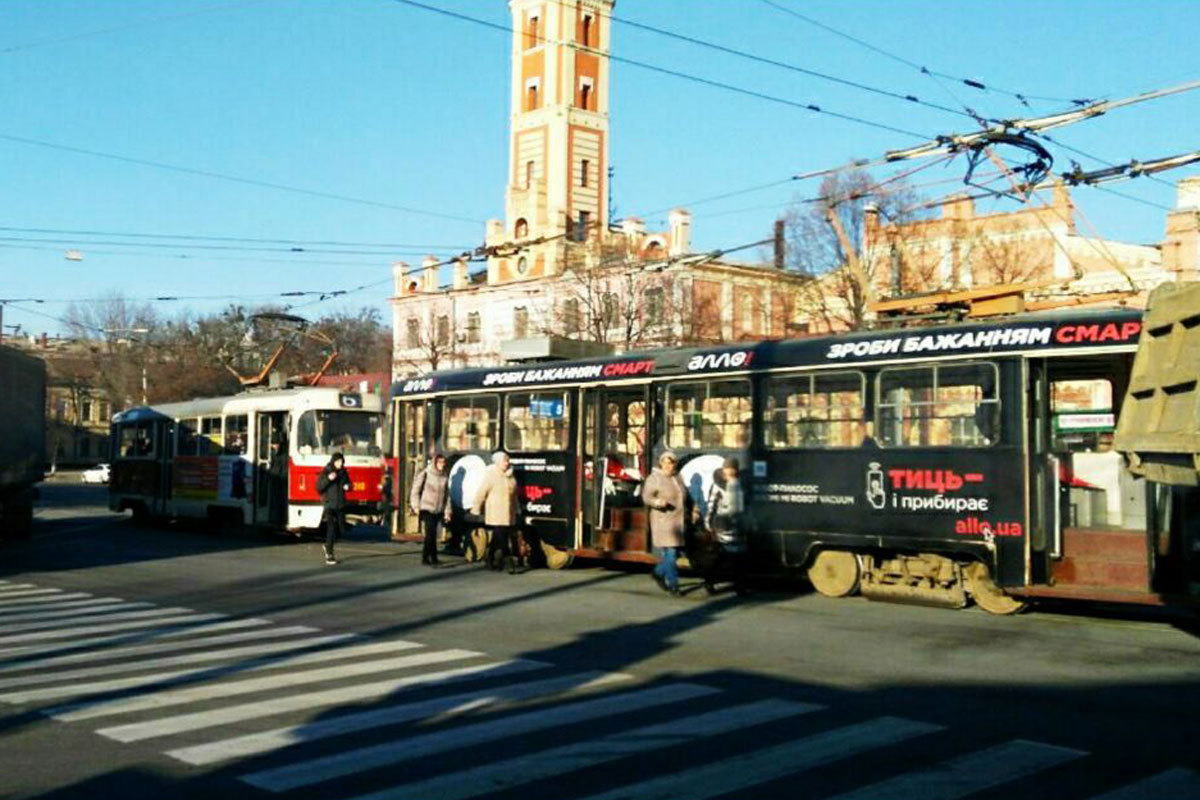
726, 521
430, 502
332, 486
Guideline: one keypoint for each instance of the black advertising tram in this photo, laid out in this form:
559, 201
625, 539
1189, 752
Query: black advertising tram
930, 464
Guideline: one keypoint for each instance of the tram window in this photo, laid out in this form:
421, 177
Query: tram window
625, 427
709, 414
209, 443
127, 446
351, 433
471, 423
1084, 415
536, 421
942, 406
137, 440
236, 430
826, 410
187, 441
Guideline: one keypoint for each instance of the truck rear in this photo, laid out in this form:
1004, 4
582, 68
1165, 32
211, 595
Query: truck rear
23, 441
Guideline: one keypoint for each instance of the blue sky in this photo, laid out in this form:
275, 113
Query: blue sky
375, 100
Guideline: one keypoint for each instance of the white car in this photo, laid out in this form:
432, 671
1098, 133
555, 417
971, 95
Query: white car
97, 474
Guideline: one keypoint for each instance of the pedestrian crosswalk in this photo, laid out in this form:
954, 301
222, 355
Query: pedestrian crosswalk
291, 709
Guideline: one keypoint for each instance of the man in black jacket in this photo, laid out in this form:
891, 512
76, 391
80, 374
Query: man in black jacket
332, 486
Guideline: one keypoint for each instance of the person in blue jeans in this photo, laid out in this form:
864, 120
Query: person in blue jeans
668, 500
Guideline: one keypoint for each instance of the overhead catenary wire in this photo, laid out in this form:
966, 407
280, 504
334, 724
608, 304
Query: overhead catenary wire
1022, 97
804, 106
773, 62
231, 178
70, 37
216, 238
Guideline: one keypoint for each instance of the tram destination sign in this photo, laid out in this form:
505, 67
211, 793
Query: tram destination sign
1028, 336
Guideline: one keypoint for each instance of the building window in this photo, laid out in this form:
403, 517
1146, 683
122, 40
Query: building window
531, 95
585, 34
528, 174
85, 411
655, 306
521, 229
414, 333
581, 226
572, 319
608, 310
443, 330
520, 322
584, 168
585, 94
474, 328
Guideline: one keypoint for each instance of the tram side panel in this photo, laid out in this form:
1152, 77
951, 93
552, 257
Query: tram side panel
928, 459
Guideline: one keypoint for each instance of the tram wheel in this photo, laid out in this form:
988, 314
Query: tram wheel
988, 596
835, 573
556, 557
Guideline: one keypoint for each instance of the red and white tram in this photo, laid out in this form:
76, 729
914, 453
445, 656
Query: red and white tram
251, 458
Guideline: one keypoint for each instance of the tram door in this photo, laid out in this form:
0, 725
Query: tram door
270, 469
413, 437
616, 462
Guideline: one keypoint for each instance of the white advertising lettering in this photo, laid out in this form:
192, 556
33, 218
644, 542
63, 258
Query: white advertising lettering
942, 342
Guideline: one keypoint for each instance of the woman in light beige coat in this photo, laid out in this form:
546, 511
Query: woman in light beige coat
669, 502
496, 502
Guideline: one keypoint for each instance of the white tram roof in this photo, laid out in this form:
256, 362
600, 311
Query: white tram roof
291, 399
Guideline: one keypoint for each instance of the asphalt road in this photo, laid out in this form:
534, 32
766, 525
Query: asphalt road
177, 662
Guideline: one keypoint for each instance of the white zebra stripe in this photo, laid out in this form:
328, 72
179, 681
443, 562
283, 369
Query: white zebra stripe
114, 653
542, 764
325, 697
441, 707
759, 766
350, 762
58, 612
28, 593
73, 633
172, 697
202, 657
13, 587
54, 624
971, 773
58, 601
269, 740
258, 665
98, 641
1174, 784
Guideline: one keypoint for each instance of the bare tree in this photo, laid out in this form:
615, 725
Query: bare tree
834, 296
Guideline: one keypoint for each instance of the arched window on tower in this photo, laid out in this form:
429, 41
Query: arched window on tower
528, 174
521, 229
585, 33
585, 94
533, 33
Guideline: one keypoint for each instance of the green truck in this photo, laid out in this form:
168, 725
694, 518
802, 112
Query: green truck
23, 441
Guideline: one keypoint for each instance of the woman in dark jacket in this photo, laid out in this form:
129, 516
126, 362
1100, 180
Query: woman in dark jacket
332, 486
429, 501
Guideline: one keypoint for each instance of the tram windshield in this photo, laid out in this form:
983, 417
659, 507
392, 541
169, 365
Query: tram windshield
352, 433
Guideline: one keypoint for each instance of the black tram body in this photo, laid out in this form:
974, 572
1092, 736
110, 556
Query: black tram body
984, 442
